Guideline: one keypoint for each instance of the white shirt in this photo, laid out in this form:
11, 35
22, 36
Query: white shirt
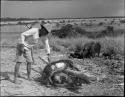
30, 37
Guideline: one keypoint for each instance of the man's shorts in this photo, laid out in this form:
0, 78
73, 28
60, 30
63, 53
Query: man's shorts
22, 52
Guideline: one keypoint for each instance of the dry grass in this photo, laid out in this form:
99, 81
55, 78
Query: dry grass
116, 43
70, 44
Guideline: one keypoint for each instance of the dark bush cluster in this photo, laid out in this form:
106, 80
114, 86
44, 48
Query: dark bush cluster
101, 23
71, 31
67, 31
109, 53
122, 21
108, 31
89, 50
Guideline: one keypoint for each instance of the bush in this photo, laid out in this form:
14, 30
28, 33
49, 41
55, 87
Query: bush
80, 30
122, 21
63, 32
70, 44
101, 23
76, 31
67, 31
116, 45
110, 45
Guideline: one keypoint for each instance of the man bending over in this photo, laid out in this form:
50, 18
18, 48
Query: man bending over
27, 40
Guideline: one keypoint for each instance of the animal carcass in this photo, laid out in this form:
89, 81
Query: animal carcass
63, 73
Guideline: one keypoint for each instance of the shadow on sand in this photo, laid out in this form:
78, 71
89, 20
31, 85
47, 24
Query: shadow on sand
6, 76
41, 81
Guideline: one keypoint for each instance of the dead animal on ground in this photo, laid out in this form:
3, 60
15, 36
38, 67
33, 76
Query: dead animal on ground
63, 73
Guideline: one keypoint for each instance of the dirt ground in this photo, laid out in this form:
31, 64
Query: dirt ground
33, 88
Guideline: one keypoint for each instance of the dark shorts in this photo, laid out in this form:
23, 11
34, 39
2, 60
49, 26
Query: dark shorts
23, 52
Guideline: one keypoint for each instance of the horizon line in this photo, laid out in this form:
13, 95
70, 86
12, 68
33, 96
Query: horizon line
63, 17
38, 0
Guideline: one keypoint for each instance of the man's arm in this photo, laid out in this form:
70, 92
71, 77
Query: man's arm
47, 48
32, 56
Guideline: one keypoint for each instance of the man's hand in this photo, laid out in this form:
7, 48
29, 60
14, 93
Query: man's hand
34, 63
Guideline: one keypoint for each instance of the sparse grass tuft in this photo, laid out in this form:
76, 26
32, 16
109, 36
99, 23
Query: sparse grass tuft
115, 44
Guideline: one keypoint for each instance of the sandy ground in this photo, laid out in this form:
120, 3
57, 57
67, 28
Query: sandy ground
33, 88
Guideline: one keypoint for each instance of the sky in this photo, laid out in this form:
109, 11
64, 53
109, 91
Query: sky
61, 8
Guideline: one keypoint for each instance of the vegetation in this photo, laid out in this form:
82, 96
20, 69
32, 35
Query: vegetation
122, 21
28, 18
71, 31
19, 19
67, 39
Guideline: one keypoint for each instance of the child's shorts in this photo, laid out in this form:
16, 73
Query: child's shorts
22, 52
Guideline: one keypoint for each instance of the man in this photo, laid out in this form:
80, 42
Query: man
28, 39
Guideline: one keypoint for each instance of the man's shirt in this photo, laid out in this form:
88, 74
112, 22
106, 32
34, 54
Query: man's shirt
30, 37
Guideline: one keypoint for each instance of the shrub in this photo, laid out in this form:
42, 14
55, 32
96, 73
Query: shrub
80, 30
116, 45
122, 21
76, 31
63, 32
101, 23
109, 31
110, 28
112, 46
67, 31
57, 25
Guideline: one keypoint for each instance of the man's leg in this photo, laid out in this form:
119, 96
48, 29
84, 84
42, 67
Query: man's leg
29, 69
29, 59
16, 72
19, 53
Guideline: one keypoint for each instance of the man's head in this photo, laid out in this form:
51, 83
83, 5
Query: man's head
42, 23
43, 31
